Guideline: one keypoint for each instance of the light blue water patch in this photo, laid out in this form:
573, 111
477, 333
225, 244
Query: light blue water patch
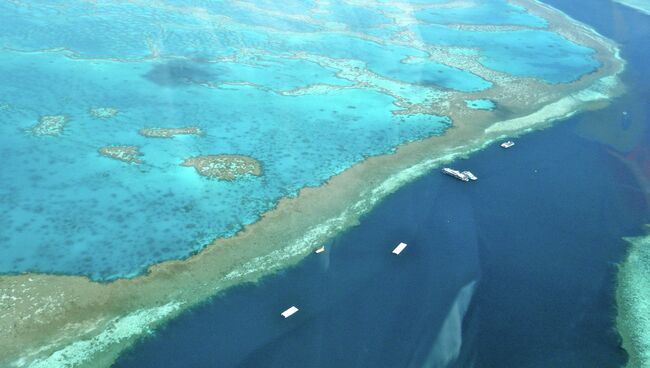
128, 31
480, 104
117, 31
415, 1
287, 6
386, 60
384, 31
66, 209
356, 18
498, 12
272, 73
263, 19
205, 43
121, 31
528, 53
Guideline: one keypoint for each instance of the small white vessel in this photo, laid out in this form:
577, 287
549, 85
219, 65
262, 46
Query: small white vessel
507, 144
400, 247
290, 312
470, 175
320, 250
456, 174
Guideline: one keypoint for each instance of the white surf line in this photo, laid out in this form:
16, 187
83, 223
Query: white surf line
119, 329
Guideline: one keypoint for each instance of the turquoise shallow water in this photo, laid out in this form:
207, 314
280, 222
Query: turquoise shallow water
500, 13
223, 68
525, 53
68, 197
480, 104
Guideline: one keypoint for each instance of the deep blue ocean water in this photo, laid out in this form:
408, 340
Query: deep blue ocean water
515, 270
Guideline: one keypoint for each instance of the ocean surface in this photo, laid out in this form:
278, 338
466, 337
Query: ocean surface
264, 80
514, 270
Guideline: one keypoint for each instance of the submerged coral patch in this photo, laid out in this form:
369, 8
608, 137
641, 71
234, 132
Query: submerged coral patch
50, 125
103, 112
169, 132
128, 154
224, 167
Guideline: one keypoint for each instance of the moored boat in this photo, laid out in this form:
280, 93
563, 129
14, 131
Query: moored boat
455, 173
399, 248
470, 175
507, 144
290, 312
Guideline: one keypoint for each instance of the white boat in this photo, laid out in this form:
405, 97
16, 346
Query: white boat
507, 144
455, 173
399, 248
290, 312
470, 175
320, 250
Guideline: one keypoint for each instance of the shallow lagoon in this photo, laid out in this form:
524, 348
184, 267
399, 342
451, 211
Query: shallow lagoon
497, 12
116, 202
482, 104
523, 53
70, 210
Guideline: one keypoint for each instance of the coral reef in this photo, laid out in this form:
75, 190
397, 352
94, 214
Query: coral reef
128, 154
103, 112
169, 132
224, 167
50, 125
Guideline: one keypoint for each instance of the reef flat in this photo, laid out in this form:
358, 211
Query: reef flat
641, 5
633, 302
224, 167
59, 320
